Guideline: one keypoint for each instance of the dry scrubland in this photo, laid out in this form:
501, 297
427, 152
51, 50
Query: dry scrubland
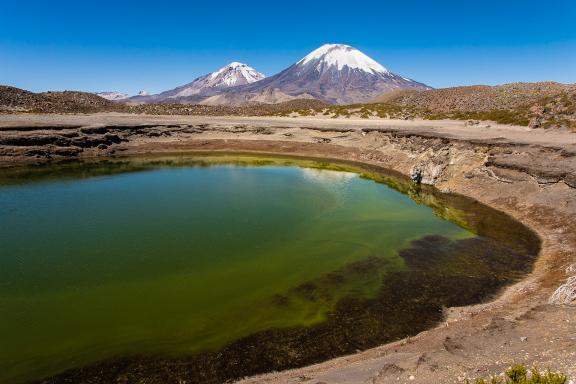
536, 105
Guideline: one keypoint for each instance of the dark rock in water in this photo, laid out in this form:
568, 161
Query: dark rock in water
280, 300
308, 290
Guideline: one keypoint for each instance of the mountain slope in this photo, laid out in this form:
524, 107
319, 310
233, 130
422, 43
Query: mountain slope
335, 73
231, 75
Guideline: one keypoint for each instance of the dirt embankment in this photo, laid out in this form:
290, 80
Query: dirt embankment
530, 175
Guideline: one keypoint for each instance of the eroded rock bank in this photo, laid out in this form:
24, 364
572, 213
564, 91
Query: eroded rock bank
531, 179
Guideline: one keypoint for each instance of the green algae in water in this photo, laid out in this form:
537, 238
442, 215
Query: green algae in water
182, 256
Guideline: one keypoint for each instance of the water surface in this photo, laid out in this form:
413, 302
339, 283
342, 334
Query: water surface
200, 257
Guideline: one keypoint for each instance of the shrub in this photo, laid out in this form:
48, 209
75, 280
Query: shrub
519, 375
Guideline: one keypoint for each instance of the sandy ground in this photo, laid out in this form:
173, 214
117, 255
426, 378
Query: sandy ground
484, 131
529, 174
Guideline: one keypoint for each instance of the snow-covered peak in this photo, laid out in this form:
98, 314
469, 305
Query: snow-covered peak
230, 75
235, 73
143, 93
113, 95
340, 56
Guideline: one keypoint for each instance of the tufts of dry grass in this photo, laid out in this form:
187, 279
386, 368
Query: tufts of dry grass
520, 375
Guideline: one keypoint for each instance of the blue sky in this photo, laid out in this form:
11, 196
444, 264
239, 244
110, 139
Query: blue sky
156, 45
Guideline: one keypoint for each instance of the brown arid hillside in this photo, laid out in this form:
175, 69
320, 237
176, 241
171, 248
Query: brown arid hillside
537, 105
13, 100
544, 105
476, 97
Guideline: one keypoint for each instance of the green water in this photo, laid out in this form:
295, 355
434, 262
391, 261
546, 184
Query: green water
175, 257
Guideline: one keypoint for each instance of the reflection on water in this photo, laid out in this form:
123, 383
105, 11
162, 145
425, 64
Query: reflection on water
328, 176
215, 267
339, 182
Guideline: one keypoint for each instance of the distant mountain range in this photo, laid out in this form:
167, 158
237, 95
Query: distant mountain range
333, 73
116, 96
113, 95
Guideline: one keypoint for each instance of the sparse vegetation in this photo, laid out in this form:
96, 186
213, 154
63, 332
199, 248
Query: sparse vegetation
520, 375
537, 105
502, 116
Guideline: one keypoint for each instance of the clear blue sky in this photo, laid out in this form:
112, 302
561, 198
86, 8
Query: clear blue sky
156, 45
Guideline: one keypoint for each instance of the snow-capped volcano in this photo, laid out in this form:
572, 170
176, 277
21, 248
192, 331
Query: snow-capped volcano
231, 75
335, 73
340, 56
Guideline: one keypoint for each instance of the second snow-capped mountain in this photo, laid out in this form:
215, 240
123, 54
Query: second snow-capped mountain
231, 75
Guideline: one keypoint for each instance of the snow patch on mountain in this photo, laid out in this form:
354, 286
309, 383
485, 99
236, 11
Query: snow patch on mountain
340, 56
235, 73
112, 95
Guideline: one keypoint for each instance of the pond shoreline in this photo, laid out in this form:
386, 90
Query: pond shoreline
533, 183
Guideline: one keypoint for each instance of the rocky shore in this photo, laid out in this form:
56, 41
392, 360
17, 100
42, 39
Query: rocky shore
529, 174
